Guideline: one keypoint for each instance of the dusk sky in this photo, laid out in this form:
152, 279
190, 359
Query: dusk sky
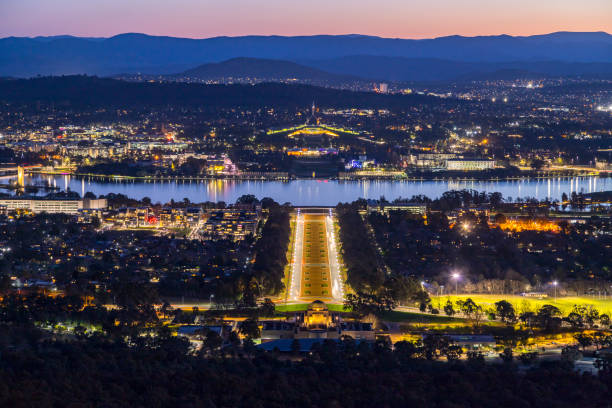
387, 18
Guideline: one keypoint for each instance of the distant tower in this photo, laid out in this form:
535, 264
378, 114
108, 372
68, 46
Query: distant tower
383, 88
313, 118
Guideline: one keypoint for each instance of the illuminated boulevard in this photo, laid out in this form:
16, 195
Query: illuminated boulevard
315, 267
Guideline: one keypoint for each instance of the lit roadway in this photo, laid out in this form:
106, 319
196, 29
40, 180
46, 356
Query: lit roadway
334, 265
297, 262
337, 285
296, 266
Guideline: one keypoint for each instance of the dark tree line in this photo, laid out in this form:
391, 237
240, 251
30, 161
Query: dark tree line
450, 200
376, 291
358, 254
84, 93
156, 372
270, 253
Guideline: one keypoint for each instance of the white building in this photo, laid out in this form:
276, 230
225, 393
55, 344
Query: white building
470, 164
411, 208
52, 206
434, 159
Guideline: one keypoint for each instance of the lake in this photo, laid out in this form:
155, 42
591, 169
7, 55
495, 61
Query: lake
319, 192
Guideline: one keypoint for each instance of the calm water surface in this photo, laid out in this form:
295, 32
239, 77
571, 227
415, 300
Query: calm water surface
320, 192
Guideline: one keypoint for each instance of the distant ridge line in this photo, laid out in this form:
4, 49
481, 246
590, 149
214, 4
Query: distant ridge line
163, 55
354, 35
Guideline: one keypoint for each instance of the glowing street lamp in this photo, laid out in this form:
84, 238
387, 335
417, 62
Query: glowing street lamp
456, 277
555, 283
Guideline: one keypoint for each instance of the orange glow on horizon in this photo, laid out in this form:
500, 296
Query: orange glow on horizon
393, 18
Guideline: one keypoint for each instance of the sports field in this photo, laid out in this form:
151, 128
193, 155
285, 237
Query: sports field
520, 303
316, 276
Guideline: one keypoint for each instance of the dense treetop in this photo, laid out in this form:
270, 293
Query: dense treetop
81, 92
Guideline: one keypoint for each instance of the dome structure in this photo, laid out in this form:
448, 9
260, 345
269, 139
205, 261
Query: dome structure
317, 306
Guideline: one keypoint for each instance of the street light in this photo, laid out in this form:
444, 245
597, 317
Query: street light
555, 283
456, 277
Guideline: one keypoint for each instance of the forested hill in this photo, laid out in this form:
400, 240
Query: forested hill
264, 70
78, 92
101, 373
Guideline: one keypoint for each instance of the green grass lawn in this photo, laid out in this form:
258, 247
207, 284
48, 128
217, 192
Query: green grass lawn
392, 316
417, 322
300, 307
565, 304
410, 321
409, 317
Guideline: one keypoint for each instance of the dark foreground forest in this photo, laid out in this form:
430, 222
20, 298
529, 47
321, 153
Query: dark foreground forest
82, 92
103, 373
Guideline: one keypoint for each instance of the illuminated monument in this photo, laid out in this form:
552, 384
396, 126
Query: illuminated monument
313, 128
314, 154
316, 322
317, 318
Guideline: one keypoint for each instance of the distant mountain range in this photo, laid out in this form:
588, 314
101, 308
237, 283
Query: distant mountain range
354, 55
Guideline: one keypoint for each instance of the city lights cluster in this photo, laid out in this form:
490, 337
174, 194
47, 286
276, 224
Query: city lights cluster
529, 225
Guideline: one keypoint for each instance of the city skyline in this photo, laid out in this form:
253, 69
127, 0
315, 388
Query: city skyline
389, 18
276, 203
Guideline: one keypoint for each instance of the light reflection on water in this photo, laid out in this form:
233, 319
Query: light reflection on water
319, 192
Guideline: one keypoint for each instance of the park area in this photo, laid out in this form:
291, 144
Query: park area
524, 303
416, 320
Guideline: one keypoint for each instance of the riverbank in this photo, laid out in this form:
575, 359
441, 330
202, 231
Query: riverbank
281, 176
313, 192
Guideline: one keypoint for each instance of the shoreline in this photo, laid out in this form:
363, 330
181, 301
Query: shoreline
294, 178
